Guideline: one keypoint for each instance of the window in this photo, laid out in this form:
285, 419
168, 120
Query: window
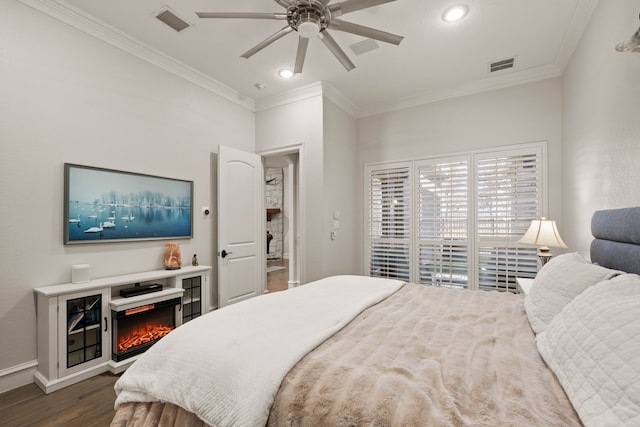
458, 224
443, 222
389, 221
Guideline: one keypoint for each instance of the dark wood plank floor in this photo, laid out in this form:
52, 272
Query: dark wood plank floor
87, 403
278, 280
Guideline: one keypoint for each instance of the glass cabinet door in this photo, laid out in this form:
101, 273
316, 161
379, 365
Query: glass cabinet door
85, 331
191, 299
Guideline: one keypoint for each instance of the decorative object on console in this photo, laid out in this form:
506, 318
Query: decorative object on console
172, 256
632, 44
543, 233
80, 273
194, 260
104, 205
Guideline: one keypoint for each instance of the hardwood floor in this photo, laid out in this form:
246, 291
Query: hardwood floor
88, 403
278, 280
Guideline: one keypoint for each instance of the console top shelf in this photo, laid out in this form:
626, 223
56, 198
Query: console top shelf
126, 279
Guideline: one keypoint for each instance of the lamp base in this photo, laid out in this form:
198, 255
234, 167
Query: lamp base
544, 254
544, 259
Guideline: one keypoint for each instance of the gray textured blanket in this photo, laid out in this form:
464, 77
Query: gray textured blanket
427, 357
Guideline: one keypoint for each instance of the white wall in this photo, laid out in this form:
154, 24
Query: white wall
340, 190
328, 137
300, 123
68, 97
520, 114
601, 122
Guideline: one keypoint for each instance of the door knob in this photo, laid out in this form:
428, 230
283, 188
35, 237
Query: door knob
225, 253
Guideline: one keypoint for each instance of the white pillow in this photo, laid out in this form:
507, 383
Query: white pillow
593, 347
557, 283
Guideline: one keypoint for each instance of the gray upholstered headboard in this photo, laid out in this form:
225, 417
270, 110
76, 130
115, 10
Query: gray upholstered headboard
617, 239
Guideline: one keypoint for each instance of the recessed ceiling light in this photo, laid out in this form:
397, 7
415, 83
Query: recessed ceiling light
286, 73
455, 13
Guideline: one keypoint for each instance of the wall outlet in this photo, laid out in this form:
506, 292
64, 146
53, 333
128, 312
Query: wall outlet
206, 212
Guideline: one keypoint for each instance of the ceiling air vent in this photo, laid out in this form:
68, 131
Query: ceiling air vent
501, 65
364, 46
171, 19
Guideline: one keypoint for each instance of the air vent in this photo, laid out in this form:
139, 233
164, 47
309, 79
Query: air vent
364, 46
501, 65
172, 20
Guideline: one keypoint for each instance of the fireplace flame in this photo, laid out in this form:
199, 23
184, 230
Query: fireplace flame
143, 335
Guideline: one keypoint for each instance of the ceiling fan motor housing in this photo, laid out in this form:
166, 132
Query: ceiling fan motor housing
308, 18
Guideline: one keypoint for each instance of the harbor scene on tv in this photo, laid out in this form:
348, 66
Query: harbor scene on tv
105, 205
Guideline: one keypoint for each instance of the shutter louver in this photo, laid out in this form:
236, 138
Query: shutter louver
389, 231
508, 186
443, 194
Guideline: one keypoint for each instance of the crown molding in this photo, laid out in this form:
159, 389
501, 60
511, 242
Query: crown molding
340, 99
321, 88
295, 95
513, 79
581, 17
69, 14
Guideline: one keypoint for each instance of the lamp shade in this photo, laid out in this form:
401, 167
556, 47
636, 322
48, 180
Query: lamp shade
543, 232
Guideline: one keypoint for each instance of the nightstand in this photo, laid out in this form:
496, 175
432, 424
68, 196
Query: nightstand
524, 285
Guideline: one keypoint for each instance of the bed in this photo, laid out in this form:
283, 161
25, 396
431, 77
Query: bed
351, 350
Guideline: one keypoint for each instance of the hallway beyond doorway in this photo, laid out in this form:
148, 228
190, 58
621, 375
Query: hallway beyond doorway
278, 278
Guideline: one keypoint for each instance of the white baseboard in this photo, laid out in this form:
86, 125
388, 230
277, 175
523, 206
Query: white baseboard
17, 376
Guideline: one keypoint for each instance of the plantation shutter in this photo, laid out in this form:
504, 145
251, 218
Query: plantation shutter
443, 222
455, 221
389, 216
509, 195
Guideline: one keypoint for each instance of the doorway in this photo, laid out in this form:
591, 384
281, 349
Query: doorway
281, 202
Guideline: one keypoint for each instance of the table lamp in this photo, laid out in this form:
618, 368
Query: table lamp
543, 233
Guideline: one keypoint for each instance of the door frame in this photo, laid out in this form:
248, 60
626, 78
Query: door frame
296, 238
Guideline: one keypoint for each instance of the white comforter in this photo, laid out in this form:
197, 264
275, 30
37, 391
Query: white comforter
227, 366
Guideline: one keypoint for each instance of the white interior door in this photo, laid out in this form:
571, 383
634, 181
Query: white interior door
241, 230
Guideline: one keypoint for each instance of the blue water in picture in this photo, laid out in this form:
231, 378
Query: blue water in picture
88, 222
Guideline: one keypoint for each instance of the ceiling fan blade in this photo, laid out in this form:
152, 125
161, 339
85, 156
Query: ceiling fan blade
353, 5
246, 15
361, 30
331, 44
303, 43
285, 3
266, 42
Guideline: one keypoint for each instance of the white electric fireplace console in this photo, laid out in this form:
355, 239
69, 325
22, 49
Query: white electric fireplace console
89, 328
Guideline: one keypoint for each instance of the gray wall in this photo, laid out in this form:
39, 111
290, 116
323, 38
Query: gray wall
600, 122
519, 114
68, 97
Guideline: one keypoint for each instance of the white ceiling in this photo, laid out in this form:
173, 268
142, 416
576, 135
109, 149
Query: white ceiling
436, 60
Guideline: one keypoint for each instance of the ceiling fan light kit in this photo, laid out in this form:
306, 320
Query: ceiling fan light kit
313, 19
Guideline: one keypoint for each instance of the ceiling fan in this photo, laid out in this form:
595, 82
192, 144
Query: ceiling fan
313, 18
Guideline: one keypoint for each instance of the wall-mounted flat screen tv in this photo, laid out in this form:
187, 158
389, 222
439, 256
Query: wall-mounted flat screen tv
104, 205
